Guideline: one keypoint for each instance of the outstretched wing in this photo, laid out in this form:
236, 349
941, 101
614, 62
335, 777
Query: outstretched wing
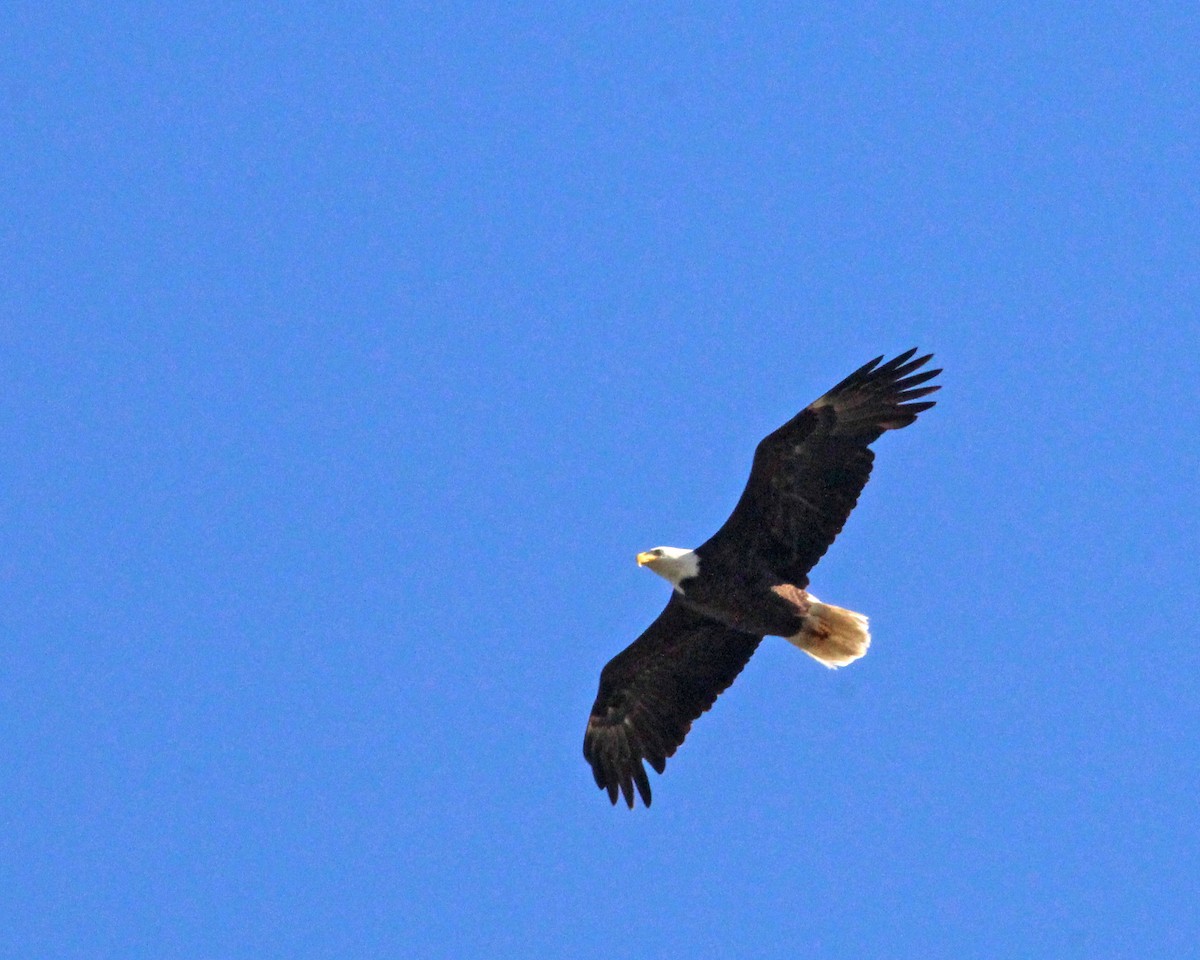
808, 474
651, 692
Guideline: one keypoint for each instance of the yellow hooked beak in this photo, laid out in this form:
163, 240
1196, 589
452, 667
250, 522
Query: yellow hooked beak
645, 557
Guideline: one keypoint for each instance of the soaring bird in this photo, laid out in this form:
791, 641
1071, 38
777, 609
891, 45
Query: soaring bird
750, 579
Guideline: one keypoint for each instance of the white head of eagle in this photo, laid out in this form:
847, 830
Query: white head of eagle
671, 563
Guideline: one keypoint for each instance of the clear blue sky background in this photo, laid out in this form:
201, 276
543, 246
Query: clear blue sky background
349, 354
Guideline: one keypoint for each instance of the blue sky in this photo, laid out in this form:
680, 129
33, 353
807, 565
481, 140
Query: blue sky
351, 353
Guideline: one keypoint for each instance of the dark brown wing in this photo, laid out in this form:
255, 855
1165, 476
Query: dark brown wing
808, 474
651, 692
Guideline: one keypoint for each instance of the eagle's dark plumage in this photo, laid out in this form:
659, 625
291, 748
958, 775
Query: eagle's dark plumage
748, 579
652, 690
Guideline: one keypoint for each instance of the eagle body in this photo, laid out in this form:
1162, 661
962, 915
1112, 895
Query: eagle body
750, 579
748, 598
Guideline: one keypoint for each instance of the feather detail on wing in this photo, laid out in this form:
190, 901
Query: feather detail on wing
652, 691
808, 474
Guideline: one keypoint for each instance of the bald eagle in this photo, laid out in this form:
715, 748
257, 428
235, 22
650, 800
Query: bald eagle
750, 579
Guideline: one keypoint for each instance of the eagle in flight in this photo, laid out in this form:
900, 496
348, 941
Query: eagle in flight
750, 579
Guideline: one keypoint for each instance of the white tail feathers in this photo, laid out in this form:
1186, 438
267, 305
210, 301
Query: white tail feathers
832, 636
